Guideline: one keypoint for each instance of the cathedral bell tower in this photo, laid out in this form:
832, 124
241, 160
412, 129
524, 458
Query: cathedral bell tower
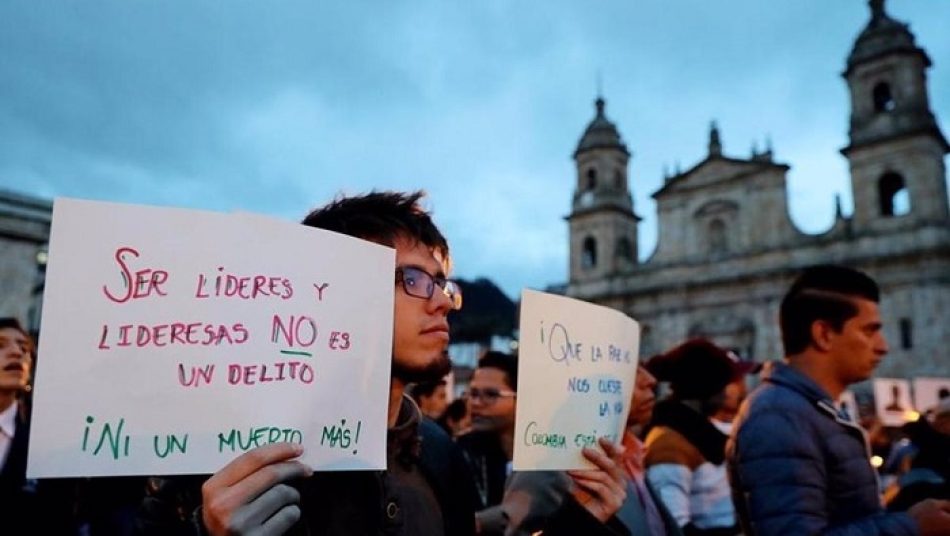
602, 223
896, 150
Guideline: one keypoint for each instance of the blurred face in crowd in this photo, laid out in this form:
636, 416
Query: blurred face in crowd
15, 360
491, 400
860, 345
644, 398
433, 405
420, 327
733, 395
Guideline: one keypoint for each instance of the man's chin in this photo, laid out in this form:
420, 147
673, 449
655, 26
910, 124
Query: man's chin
432, 371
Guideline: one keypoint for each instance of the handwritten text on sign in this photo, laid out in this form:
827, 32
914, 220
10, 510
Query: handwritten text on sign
577, 363
174, 340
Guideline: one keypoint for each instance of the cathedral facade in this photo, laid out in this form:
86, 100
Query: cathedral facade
727, 249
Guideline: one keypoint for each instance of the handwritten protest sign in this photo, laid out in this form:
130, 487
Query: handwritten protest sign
576, 368
174, 340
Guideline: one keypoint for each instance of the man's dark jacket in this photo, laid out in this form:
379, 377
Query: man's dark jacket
798, 466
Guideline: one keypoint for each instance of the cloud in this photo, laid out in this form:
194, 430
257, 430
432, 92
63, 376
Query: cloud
275, 107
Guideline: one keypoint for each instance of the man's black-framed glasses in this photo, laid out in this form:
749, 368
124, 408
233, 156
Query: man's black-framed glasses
421, 284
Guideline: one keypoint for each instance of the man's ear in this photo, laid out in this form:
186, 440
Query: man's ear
822, 334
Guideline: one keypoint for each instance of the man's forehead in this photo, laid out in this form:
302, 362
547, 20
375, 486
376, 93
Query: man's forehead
488, 375
13, 334
415, 252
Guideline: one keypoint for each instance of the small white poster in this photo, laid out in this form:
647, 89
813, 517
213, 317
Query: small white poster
576, 368
174, 340
928, 392
892, 401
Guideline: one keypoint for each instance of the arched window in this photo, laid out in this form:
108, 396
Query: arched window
589, 253
591, 179
716, 236
893, 195
883, 99
624, 250
618, 179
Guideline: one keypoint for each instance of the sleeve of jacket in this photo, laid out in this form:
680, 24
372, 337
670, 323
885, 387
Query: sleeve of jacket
779, 482
673, 483
572, 519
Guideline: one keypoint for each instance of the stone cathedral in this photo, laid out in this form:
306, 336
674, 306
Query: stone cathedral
727, 249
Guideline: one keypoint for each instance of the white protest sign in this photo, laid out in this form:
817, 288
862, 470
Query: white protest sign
174, 340
576, 368
928, 392
892, 401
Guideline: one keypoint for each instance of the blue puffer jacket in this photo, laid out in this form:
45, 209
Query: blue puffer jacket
798, 467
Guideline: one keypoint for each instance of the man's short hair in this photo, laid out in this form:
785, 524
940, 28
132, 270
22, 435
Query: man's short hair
424, 389
506, 363
381, 217
11, 322
824, 292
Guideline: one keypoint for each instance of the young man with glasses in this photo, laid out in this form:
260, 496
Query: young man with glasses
426, 489
489, 447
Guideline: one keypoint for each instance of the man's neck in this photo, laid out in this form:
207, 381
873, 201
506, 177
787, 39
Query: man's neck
816, 368
7, 398
396, 389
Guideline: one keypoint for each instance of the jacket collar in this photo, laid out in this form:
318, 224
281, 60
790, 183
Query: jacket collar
779, 373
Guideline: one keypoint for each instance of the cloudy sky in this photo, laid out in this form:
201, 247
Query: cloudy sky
277, 106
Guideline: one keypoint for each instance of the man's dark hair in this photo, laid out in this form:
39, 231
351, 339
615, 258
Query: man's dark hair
381, 217
424, 389
11, 322
506, 363
824, 292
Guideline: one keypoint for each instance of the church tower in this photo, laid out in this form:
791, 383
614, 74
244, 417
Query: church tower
602, 223
896, 150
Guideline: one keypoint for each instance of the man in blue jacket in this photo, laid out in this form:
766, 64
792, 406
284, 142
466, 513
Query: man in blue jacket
797, 464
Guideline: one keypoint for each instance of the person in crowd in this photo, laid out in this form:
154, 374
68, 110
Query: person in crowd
17, 494
685, 451
455, 420
929, 473
28, 506
643, 512
489, 447
430, 397
797, 464
426, 489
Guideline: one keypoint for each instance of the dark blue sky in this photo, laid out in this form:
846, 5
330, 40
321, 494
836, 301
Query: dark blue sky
275, 107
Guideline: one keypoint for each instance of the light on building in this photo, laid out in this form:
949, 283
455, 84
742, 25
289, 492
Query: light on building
911, 416
877, 461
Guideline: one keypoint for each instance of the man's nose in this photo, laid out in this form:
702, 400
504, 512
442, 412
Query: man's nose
440, 301
882, 346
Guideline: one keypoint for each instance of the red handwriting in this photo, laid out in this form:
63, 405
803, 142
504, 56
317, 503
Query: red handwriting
141, 284
244, 287
194, 333
300, 331
276, 372
339, 340
320, 289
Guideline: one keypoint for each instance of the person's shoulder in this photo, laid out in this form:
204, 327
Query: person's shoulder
665, 445
770, 397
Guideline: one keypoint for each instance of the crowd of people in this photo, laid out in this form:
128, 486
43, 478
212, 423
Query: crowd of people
706, 458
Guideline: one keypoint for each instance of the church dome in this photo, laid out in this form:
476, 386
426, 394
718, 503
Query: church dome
600, 133
882, 35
